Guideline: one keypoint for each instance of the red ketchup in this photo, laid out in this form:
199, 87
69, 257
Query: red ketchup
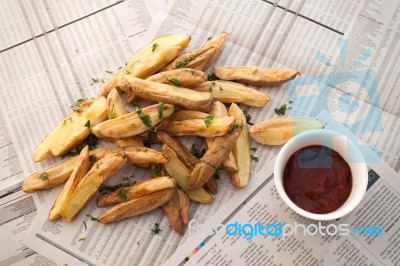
317, 179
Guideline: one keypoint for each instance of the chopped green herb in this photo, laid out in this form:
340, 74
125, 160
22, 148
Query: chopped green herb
210, 89
84, 224
255, 71
208, 120
253, 149
161, 108
209, 38
112, 114
106, 188
77, 107
82, 238
109, 71
122, 194
145, 118
281, 110
157, 169
150, 137
155, 45
87, 124
235, 126
127, 72
156, 230
43, 176
91, 217
185, 61
221, 89
97, 165
95, 80
290, 102
173, 81
66, 120
248, 118
197, 152
254, 158
212, 77
92, 141
217, 172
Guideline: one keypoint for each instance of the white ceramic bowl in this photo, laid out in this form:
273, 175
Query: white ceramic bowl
339, 143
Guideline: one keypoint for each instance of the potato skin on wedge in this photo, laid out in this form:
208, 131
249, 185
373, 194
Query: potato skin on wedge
255, 75
90, 183
137, 206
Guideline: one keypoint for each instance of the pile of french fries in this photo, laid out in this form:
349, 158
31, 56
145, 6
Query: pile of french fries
186, 103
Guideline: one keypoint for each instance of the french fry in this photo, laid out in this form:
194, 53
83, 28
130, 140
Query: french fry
231, 92
132, 123
135, 142
168, 94
115, 106
137, 190
198, 127
278, 131
255, 75
173, 211
137, 206
72, 130
185, 204
229, 164
141, 155
90, 183
241, 150
80, 169
177, 170
183, 77
213, 158
187, 115
142, 68
59, 174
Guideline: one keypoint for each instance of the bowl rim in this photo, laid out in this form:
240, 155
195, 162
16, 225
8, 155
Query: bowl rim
320, 134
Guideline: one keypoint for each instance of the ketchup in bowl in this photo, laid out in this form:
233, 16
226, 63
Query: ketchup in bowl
317, 179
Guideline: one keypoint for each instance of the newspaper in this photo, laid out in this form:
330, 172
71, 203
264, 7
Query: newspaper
68, 60
260, 202
49, 51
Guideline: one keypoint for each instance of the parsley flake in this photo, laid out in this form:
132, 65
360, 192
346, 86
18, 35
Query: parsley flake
208, 120
122, 193
109, 71
92, 141
112, 114
212, 77
87, 124
161, 108
106, 188
255, 71
145, 118
44, 176
156, 230
157, 169
281, 110
254, 158
185, 61
197, 152
150, 137
77, 107
174, 81
127, 72
82, 238
248, 118
91, 217
155, 45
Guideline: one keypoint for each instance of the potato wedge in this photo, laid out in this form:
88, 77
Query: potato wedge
231, 92
142, 68
188, 159
130, 142
241, 150
229, 164
80, 169
186, 59
185, 205
169, 94
132, 124
183, 77
218, 42
278, 131
213, 158
173, 211
208, 127
115, 106
187, 115
140, 155
255, 75
177, 170
72, 130
90, 183
212, 185
137, 190
59, 174
137, 206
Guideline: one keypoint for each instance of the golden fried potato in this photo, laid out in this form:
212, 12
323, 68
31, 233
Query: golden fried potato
115, 106
278, 131
137, 206
183, 77
187, 115
172, 209
137, 190
231, 92
90, 183
185, 205
80, 169
255, 75
141, 155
